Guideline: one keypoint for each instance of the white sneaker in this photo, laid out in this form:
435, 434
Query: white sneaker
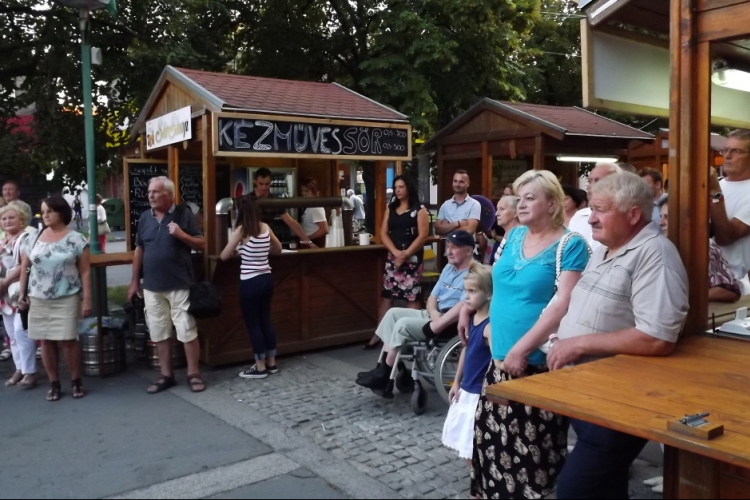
658, 489
6, 355
654, 481
254, 374
38, 353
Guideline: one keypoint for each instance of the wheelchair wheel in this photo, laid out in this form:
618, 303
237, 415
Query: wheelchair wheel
418, 399
404, 380
446, 367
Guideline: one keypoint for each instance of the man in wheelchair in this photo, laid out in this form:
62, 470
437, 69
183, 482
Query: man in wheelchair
401, 326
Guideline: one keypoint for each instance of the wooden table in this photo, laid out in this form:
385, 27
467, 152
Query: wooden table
638, 396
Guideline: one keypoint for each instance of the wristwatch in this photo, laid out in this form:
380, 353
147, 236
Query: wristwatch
717, 197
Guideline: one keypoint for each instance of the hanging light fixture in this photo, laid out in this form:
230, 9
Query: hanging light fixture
587, 159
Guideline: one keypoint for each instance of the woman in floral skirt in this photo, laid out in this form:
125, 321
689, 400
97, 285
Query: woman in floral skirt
519, 451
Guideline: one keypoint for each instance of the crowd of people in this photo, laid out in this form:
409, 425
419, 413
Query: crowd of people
621, 289
571, 277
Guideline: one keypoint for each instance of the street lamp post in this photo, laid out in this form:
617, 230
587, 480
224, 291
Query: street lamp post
88, 118
84, 8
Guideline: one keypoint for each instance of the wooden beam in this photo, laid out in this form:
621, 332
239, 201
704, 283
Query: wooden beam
497, 135
173, 163
399, 167
486, 172
440, 169
602, 10
380, 194
704, 5
469, 155
690, 105
209, 194
727, 23
539, 153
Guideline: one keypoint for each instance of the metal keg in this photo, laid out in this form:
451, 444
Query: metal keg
113, 352
178, 355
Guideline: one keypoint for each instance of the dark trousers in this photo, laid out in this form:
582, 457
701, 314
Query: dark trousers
599, 467
256, 295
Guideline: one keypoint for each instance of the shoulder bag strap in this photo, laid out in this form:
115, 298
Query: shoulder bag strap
561, 250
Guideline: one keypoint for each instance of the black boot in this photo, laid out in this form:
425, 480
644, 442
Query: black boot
377, 379
363, 374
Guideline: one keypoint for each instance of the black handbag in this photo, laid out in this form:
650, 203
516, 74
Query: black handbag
205, 301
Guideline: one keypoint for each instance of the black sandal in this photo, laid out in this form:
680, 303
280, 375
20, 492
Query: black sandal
77, 386
54, 392
162, 385
194, 381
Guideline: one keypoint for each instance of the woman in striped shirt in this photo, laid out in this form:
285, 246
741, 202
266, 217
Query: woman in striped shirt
254, 240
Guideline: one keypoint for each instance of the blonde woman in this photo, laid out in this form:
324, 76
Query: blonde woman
14, 218
522, 450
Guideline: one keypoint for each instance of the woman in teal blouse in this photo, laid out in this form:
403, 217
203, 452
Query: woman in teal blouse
519, 450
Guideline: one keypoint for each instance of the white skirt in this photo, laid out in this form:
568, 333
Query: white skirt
458, 431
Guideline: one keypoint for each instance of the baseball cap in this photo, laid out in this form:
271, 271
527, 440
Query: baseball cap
461, 239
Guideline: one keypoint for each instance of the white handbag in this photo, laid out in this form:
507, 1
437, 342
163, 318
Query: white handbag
545, 347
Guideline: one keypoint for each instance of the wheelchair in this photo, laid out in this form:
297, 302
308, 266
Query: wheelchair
434, 362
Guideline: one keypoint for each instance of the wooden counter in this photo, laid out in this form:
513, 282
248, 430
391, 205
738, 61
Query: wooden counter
322, 298
638, 396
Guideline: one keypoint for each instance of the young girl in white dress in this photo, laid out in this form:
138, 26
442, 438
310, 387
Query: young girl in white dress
458, 431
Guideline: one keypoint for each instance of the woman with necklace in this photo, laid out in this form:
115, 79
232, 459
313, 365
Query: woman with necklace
519, 450
13, 220
59, 292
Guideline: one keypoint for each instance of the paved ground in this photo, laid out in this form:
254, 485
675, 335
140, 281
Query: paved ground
309, 432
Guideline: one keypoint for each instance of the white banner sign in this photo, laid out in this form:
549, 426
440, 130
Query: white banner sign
169, 129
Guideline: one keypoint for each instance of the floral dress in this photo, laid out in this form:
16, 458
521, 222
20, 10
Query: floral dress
403, 282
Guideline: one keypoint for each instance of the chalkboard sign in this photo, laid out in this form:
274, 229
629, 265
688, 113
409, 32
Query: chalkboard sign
139, 175
191, 184
266, 136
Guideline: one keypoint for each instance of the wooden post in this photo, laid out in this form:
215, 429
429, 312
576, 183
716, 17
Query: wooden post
380, 195
209, 195
440, 170
539, 153
690, 115
173, 163
399, 168
486, 172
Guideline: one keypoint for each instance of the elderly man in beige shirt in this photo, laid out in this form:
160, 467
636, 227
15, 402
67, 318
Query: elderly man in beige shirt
631, 299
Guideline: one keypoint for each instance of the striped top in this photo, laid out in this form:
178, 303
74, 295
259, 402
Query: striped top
254, 256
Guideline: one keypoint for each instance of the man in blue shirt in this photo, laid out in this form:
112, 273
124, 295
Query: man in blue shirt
400, 326
460, 213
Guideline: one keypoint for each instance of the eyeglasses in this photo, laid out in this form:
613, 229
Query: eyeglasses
733, 152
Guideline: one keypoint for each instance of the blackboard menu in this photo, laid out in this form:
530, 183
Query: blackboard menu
191, 184
326, 139
139, 175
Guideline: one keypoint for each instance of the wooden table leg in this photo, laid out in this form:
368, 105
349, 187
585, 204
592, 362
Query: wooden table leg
99, 313
687, 475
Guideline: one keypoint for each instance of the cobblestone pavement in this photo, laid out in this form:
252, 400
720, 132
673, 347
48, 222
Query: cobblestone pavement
381, 438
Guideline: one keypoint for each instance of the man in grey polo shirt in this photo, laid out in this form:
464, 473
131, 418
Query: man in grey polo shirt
460, 213
166, 236
631, 299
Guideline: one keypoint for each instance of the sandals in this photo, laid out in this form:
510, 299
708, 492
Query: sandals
14, 380
162, 385
28, 382
54, 392
77, 387
5, 355
196, 384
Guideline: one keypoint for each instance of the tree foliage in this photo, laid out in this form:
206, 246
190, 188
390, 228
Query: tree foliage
429, 59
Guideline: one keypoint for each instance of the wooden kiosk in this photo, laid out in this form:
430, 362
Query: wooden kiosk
497, 141
647, 396
322, 297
